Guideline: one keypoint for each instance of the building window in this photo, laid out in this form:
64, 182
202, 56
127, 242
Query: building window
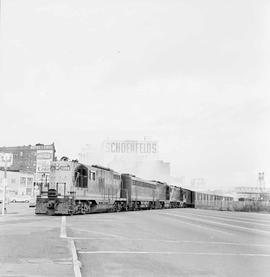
21, 153
13, 181
28, 191
23, 181
29, 182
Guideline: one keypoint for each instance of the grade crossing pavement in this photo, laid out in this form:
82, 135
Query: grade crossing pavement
172, 242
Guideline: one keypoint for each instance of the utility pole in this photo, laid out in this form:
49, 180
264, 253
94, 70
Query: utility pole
6, 160
261, 183
4, 190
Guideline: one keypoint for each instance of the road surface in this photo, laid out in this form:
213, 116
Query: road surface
171, 242
175, 242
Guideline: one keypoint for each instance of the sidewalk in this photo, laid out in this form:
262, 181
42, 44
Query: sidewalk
30, 245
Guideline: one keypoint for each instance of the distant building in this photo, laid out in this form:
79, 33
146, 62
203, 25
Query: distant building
18, 183
34, 159
138, 157
253, 193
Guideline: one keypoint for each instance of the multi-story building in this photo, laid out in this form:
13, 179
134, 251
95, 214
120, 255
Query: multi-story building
28, 158
18, 183
34, 159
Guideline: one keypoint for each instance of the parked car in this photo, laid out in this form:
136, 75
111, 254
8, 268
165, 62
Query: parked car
20, 199
32, 203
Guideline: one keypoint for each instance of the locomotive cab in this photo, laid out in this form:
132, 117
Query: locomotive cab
81, 176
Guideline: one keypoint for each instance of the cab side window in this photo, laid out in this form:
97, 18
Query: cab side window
92, 175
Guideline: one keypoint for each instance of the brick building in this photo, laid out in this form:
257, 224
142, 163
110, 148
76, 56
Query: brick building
28, 158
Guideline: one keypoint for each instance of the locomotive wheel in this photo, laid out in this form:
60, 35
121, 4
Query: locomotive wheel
82, 209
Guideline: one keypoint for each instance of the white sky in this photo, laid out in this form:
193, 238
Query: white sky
192, 74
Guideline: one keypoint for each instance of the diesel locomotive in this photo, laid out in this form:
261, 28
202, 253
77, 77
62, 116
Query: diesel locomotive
75, 188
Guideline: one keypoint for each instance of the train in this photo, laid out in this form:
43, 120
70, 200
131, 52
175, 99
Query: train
76, 188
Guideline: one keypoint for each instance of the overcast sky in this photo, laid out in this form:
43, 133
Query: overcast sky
193, 75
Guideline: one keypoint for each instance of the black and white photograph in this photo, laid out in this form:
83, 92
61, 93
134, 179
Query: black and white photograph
134, 138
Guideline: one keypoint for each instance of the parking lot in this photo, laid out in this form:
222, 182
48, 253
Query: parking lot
173, 242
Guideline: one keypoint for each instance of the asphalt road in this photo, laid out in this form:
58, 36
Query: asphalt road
30, 245
173, 242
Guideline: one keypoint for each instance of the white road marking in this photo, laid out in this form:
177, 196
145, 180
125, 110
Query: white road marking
200, 226
76, 262
233, 219
218, 223
63, 232
243, 215
173, 241
176, 253
99, 233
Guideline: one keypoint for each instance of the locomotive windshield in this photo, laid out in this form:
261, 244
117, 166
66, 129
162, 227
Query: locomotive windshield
81, 176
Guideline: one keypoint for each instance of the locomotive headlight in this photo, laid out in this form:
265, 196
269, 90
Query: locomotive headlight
50, 204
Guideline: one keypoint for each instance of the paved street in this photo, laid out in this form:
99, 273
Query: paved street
30, 245
175, 242
178, 242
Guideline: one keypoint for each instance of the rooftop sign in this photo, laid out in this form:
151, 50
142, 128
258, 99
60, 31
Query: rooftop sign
131, 147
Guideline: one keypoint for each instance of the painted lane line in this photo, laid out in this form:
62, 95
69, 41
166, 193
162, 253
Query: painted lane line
76, 262
63, 234
219, 223
63, 231
231, 219
241, 215
231, 215
99, 233
175, 241
176, 253
203, 227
